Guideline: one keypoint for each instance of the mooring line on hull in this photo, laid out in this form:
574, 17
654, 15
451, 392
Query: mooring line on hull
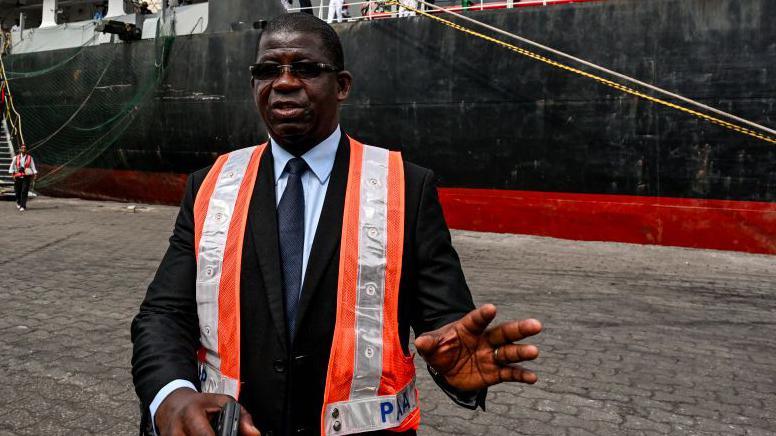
78, 110
597, 78
9, 107
26, 75
88, 149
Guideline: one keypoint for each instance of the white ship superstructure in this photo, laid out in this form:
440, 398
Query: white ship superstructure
40, 25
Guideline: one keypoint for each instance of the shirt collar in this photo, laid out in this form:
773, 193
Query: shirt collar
320, 158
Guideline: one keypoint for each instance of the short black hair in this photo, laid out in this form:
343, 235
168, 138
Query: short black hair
301, 22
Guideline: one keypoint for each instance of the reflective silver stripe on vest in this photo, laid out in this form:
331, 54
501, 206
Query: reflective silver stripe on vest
216, 383
210, 256
370, 414
372, 224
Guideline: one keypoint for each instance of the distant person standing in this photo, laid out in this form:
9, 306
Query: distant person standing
144, 9
24, 172
99, 14
407, 8
306, 6
335, 8
370, 8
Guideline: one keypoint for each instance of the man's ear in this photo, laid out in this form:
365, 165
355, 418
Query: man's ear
344, 83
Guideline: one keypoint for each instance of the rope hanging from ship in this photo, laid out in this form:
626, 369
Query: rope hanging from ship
762, 133
10, 110
72, 145
37, 144
121, 120
14, 75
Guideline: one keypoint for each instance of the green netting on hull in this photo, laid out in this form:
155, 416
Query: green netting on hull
75, 104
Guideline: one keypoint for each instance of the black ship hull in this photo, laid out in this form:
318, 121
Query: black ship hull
518, 146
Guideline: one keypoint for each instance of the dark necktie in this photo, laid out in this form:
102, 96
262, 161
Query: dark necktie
291, 237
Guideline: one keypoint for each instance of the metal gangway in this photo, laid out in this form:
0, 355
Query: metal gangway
10, 127
6, 157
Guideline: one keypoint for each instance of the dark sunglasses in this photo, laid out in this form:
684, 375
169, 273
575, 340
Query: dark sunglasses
302, 70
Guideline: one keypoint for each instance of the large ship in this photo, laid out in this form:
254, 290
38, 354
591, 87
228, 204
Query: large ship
125, 106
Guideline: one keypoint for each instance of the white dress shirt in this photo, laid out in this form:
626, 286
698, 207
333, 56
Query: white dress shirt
315, 181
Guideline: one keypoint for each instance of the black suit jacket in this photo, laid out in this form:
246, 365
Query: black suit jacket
284, 383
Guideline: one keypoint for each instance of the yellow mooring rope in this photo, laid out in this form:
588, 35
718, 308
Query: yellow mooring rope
607, 82
9, 107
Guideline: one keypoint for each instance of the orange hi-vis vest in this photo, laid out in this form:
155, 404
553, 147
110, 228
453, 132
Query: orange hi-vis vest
370, 382
21, 166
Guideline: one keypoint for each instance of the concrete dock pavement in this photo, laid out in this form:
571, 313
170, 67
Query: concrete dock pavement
637, 340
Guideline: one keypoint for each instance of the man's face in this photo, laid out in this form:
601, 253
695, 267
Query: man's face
298, 113
23, 150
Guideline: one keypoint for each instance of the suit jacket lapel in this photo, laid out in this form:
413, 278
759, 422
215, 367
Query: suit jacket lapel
264, 226
329, 229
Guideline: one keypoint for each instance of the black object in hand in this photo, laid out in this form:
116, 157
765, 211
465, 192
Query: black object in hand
228, 421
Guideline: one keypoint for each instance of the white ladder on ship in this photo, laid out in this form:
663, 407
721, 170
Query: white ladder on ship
6, 157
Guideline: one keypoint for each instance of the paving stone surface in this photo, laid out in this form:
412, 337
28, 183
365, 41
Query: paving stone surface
638, 340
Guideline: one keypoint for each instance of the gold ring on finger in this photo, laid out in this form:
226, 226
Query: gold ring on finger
495, 354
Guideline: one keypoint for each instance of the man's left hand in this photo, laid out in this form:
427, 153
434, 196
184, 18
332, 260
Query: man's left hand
472, 356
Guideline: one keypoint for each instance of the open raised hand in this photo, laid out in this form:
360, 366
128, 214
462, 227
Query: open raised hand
472, 356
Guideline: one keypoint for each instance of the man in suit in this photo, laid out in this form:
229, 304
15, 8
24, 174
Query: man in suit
290, 265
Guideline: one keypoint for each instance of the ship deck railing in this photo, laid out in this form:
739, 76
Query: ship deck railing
186, 20
454, 6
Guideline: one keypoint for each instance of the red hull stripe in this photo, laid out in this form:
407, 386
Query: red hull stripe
718, 224
120, 185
